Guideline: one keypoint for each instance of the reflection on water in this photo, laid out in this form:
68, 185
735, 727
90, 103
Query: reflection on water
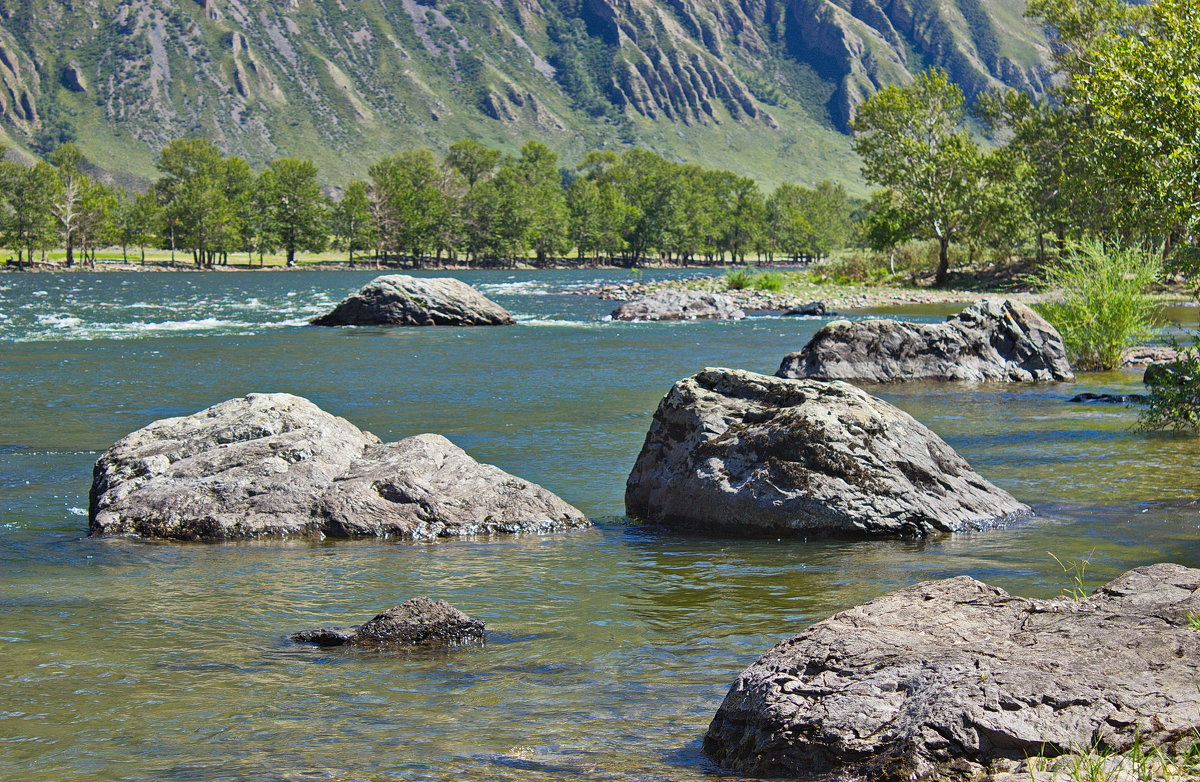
611, 647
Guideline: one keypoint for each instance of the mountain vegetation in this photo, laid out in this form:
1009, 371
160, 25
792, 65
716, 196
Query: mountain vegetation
767, 87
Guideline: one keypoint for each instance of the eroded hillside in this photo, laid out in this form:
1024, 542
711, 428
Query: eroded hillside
765, 87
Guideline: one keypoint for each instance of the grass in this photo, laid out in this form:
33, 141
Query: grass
1077, 591
1141, 763
1105, 307
737, 279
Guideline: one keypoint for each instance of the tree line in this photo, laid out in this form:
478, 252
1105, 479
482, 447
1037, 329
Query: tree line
1111, 152
473, 204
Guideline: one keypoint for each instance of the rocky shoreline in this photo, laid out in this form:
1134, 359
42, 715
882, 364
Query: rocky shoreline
835, 297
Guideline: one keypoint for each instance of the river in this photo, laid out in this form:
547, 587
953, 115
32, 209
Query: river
611, 647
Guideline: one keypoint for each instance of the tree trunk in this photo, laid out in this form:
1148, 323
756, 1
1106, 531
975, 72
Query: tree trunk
943, 267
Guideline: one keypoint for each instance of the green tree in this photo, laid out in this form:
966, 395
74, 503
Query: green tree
295, 209
350, 220
133, 219
788, 228
407, 202
597, 217
542, 206
474, 161
912, 143
32, 192
199, 193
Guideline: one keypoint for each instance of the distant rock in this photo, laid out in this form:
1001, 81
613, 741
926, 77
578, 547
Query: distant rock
72, 78
1110, 399
812, 308
739, 452
955, 679
677, 304
1147, 356
278, 465
989, 341
401, 300
417, 622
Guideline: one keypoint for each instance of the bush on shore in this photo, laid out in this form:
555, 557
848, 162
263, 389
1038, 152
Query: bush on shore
1104, 307
1174, 399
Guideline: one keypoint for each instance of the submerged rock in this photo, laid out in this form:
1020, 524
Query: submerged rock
417, 622
1109, 399
987, 342
740, 452
276, 464
954, 678
401, 300
675, 304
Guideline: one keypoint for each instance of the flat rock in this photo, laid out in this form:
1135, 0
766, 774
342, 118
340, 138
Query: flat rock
989, 341
740, 452
401, 300
953, 679
676, 304
277, 465
417, 622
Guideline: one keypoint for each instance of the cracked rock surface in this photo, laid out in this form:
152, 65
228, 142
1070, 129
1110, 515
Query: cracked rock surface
740, 452
947, 679
401, 300
990, 341
276, 465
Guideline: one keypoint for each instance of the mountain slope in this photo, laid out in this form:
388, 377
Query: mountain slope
765, 87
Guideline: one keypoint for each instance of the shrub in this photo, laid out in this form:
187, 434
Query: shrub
852, 268
1105, 308
737, 279
770, 281
1174, 400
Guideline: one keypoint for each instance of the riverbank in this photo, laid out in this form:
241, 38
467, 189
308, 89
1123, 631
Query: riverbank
800, 289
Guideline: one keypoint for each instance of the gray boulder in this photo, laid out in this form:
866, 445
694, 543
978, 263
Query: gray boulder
751, 454
276, 464
417, 622
401, 300
676, 304
957, 679
990, 341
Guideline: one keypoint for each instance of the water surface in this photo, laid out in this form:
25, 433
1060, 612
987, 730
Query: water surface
612, 647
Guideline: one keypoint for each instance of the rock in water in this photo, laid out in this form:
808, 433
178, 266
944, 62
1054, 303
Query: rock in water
675, 304
944, 678
401, 300
987, 342
813, 308
751, 454
417, 622
276, 464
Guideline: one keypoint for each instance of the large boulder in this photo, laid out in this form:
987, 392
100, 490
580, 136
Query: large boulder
751, 454
955, 679
276, 464
401, 300
987, 342
417, 622
676, 304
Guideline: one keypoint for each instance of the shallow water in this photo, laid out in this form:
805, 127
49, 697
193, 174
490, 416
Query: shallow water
611, 647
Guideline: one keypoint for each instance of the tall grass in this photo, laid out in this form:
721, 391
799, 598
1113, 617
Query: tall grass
737, 279
770, 281
1105, 307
